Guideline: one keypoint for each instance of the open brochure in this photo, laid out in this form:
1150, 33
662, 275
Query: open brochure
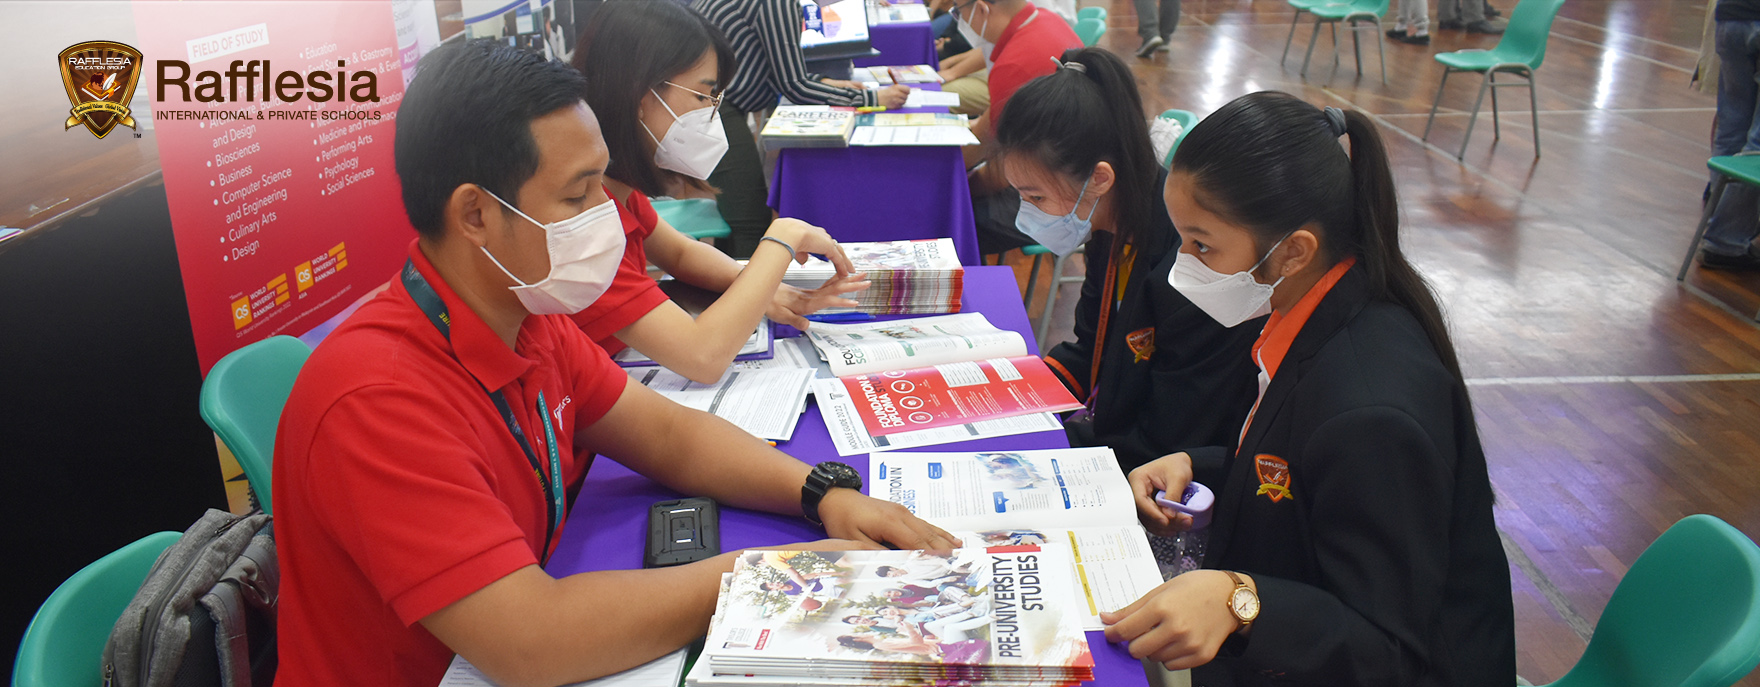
851, 437
1073, 499
867, 347
1000, 614
765, 403
660, 672
953, 394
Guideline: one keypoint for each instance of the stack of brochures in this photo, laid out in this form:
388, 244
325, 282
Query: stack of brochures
931, 380
973, 616
808, 126
912, 129
909, 277
1076, 500
886, 76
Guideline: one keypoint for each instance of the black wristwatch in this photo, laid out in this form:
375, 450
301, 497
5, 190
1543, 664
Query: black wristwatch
825, 477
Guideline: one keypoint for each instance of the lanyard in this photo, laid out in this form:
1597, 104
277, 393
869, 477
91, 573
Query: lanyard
550, 485
1110, 300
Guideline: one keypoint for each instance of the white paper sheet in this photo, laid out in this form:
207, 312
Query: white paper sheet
913, 136
764, 403
660, 672
922, 98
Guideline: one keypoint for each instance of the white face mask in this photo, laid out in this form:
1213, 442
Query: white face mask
584, 254
1061, 234
1230, 299
976, 36
693, 145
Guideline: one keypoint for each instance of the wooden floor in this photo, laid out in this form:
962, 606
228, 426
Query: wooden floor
1613, 401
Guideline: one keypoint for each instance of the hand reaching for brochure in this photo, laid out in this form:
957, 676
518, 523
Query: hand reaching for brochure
893, 97
806, 240
791, 305
1180, 624
850, 514
1169, 473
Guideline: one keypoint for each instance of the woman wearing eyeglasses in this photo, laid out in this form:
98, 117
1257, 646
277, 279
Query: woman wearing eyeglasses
655, 72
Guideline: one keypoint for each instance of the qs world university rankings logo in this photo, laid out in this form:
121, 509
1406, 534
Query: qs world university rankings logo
100, 77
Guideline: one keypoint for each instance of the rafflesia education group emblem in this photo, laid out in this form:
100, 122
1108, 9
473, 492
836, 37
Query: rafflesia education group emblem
100, 77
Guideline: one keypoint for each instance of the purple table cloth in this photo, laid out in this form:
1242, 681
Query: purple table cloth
901, 44
880, 193
607, 529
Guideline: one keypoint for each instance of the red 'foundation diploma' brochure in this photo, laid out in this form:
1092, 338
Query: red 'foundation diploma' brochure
956, 394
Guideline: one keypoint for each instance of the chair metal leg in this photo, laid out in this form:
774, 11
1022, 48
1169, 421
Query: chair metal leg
1381, 49
1357, 46
1704, 223
1496, 124
1435, 103
1044, 324
1534, 111
1311, 41
1291, 39
1336, 58
1474, 119
1033, 280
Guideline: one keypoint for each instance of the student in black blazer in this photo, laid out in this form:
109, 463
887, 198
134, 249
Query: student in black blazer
1075, 145
1352, 541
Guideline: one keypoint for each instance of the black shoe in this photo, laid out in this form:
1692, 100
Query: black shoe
1422, 39
1396, 34
1487, 27
1746, 262
1149, 46
1450, 24
1492, 12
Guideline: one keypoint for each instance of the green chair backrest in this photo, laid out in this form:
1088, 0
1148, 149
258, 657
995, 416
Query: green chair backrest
1186, 120
697, 218
1524, 40
1687, 613
1379, 7
1091, 13
242, 399
1090, 31
64, 645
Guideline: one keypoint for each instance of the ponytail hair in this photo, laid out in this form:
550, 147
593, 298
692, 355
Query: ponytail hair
1086, 112
1272, 163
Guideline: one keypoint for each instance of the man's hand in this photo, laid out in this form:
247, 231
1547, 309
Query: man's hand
1180, 624
850, 514
893, 97
791, 305
1169, 473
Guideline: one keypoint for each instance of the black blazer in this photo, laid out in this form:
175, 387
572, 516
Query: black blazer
1382, 565
1197, 380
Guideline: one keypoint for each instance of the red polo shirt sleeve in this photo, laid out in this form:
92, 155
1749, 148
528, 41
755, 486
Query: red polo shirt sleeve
1023, 53
633, 294
407, 494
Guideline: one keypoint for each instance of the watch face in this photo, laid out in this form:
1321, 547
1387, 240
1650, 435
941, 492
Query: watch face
842, 475
1245, 604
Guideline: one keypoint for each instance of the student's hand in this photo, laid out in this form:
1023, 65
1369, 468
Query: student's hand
1180, 624
941, 43
893, 97
791, 305
850, 514
808, 239
1170, 473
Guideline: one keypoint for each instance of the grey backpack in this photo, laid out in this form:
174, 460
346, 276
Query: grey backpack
205, 616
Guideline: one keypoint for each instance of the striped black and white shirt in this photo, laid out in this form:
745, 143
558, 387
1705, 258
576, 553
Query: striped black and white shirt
766, 38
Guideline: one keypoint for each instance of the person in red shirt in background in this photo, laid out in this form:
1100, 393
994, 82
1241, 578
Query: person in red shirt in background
423, 459
1021, 42
655, 73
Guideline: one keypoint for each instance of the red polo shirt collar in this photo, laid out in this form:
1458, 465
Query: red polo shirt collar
1020, 19
475, 345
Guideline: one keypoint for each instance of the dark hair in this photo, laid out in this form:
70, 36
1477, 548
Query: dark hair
466, 119
1072, 119
1272, 163
628, 48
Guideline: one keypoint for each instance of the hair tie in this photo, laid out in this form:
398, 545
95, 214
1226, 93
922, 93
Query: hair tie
1335, 121
1072, 64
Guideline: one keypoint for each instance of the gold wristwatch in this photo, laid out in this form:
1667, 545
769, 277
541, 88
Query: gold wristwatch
1243, 602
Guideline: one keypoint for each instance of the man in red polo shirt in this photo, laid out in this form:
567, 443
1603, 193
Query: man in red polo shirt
1022, 42
422, 461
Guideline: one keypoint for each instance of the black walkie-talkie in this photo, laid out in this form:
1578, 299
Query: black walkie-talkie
682, 531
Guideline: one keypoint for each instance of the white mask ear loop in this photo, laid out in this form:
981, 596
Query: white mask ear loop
668, 111
516, 211
1267, 256
1078, 205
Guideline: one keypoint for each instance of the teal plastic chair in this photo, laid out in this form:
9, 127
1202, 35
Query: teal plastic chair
1186, 120
1519, 52
1742, 168
1091, 13
64, 645
1687, 613
698, 218
1090, 31
1361, 15
242, 399
1300, 6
